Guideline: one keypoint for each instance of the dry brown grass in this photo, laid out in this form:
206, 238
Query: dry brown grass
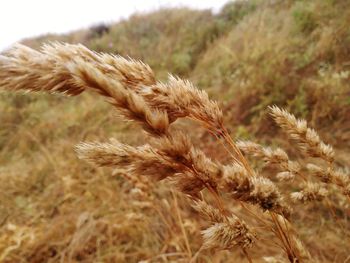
243, 209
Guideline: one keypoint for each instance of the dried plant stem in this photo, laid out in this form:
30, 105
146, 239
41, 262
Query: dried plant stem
260, 219
237, 151
188, 247
247, 255
234, 157
196, 255
333, 213
283, 236
218, 200
280, 233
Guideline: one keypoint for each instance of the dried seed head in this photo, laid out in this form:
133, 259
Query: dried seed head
328, 175
22, 68
188, 184
249, 147
172, 157
141, 160
285, 176
181, 99
323, 174
255, 190
265, 193
130, 73
131, 105
299, 247
340, 178
271, 156
228, 235
266, 153
178, 147
307, 138
310, 192
211, 213
71, 69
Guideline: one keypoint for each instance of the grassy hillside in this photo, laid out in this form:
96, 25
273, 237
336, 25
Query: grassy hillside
250, 55
55, 208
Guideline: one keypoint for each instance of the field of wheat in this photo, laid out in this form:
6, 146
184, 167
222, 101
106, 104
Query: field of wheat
226, 141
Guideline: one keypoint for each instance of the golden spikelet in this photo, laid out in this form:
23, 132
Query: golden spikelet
211, 213
181, 99
71, 69
307, 138
224, 232
289, 169
255, 190
227, 235
331, 176
22, 68
310, 192
171, 157
130, 73
136, 160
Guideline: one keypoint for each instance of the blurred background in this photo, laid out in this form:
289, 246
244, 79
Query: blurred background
246, 54
22, 19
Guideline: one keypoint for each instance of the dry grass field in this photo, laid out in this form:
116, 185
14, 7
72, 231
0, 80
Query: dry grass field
105, 157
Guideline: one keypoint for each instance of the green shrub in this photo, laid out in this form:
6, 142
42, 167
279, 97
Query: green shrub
304, 18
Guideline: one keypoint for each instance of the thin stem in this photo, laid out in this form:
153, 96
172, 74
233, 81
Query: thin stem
336, 218
194, 258
247, 255
253, 214
182, 225
232, 155
280, 233
243, 160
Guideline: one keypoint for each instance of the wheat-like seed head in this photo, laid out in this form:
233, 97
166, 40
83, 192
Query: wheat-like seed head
211, 213
307, 138
22, 68
227, 235
187, 183
134, 160
181, 99
130, 105
272, 156
285, 176
72, 69
178, 147
302, 251
132, 74
310, 192
331, 176
173, 157
224, 232
255, 190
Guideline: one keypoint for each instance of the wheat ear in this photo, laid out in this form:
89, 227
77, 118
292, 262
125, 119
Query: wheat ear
307, 138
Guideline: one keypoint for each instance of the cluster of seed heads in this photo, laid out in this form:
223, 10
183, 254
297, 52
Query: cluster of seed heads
131, 88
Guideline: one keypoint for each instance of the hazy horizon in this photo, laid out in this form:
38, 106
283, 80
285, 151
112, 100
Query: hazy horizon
24, 19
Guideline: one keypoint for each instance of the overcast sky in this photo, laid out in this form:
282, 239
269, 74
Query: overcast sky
26, 18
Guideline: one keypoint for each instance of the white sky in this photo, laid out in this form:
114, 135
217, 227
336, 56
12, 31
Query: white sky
26, 18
